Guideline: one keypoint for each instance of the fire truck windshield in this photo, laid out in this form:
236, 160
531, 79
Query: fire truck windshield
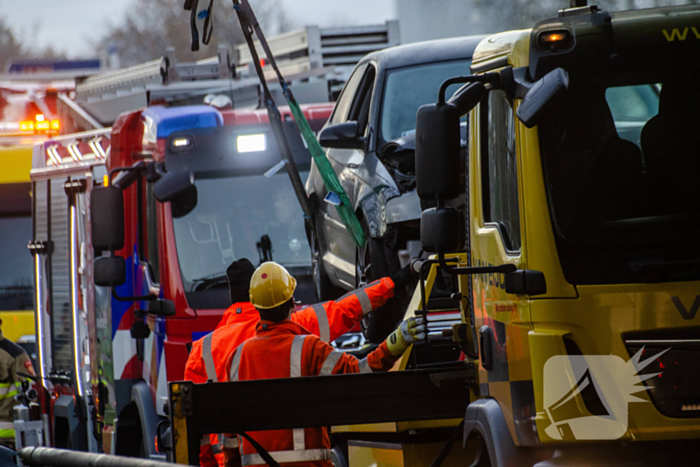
622, 169
232, 216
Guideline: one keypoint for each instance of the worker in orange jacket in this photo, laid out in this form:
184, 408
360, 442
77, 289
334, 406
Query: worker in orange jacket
284, 348
329, 320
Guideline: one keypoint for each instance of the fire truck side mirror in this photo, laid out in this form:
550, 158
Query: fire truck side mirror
542, 95
179, 188
110, 271
442, 230
173, 184
107, 218
437, 152
162, 307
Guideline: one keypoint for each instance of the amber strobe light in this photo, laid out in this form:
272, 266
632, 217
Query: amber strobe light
555, 40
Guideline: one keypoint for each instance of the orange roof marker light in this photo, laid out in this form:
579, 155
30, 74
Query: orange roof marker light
27, 125
555, 40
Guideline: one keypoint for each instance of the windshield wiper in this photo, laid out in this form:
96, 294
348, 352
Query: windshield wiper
659, 265
660, 271
209, 282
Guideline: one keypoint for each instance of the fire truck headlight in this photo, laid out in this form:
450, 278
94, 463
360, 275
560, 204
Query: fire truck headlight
251, 143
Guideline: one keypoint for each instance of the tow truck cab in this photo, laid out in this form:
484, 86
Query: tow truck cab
126, 282
583, 161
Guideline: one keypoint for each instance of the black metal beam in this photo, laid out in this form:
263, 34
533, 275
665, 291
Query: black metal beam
319, 401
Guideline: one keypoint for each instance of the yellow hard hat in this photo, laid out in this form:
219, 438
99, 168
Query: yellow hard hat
271, 286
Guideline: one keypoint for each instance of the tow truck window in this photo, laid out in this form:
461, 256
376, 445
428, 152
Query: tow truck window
499, 178
632, 107
231, 217
622, 166
16, 278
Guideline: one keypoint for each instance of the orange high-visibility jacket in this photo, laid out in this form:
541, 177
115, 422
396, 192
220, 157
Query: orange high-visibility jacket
286, 350
329, 320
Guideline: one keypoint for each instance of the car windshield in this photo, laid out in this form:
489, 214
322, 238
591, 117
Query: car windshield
622, 165
408, 88
231, 220
16, 278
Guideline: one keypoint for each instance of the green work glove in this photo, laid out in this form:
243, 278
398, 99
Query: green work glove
408, 332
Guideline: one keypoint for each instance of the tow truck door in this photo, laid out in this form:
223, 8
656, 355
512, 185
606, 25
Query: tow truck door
496, 238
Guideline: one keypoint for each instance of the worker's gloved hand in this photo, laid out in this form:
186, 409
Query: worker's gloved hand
408, 332
402, 277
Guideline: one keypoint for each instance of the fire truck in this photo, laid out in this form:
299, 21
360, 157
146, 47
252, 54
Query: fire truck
152, 205
152, 211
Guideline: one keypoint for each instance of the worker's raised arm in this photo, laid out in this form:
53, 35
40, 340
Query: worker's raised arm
332, 319
324, 360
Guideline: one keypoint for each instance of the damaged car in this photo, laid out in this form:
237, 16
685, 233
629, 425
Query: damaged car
370, 143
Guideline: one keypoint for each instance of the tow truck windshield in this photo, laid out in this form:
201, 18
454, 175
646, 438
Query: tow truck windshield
622, 170
232, 217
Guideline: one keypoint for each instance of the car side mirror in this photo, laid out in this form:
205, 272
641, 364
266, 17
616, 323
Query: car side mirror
109, 271
541, 96
107, 218
437, 152
342, 136
525, 282
442, 230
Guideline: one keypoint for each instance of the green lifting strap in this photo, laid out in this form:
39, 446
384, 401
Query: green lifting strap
330, 180
345, 209
8, 433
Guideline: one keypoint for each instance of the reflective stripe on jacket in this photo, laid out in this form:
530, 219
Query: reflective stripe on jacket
284, 350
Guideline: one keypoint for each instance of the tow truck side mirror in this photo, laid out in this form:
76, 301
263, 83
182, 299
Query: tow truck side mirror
341, 136
542, 95
442, 229
107, 218
525, 282
437, 152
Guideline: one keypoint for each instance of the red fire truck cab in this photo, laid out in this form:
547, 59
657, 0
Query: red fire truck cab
133, 232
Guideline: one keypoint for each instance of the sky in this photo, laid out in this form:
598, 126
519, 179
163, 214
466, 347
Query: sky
73, 25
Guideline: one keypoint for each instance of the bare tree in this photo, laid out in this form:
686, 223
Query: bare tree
10, 45
152, 25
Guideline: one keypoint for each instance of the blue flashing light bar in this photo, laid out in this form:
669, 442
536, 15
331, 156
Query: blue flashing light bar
161, 122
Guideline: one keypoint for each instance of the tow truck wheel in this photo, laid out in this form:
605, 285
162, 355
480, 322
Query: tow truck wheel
372, 262
325, 290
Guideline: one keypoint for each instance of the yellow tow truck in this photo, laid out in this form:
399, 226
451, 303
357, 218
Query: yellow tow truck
574, 268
